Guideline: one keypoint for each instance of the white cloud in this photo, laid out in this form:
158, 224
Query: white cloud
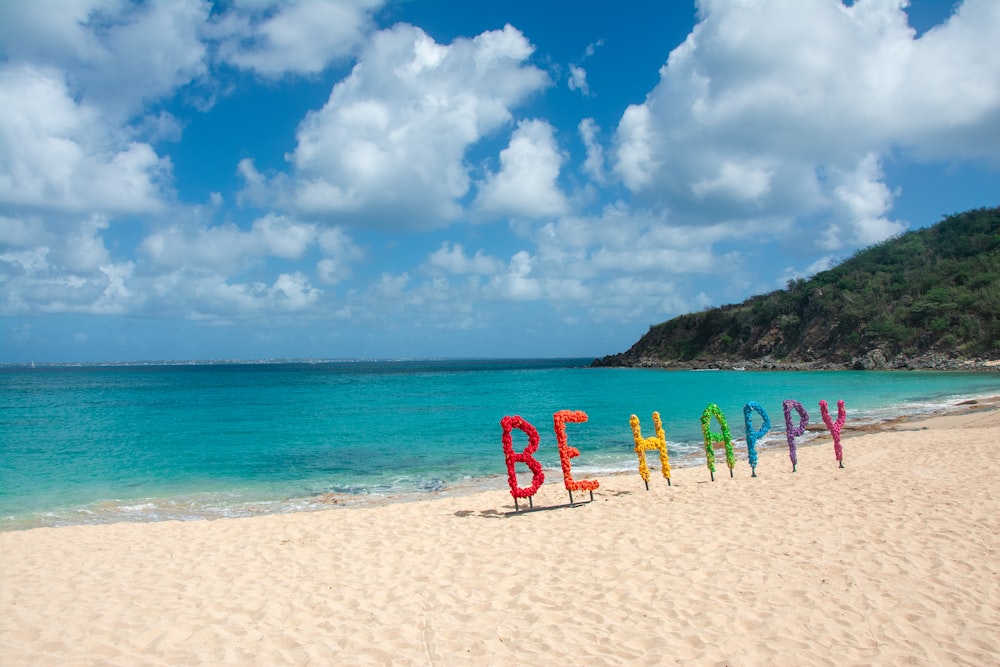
276, 37
212, 298
339, 253
76, 82
774, 108
292, 291
578, 79
517, 283
121, 54
148, 53
228, 249
51, 29
742, 181
949, 103
60, 154
861, 202
452, 259
593, 165
65, 271
635, 164
527, 184
388, 147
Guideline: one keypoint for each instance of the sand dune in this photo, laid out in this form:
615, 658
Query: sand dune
894, 560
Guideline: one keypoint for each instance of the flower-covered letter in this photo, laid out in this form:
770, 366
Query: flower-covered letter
834, 427
792, 432
525, 457
566, 452
713, 411
752, 435
659, 443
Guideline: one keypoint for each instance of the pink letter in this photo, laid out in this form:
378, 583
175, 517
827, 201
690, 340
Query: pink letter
834, 427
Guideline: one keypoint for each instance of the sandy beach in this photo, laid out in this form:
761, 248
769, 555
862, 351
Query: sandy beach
894, 560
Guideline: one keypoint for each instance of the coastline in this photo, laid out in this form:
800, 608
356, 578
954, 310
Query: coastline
206, 508
873, 360
892, 560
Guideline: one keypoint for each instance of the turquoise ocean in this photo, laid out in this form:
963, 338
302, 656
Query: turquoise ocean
143, 442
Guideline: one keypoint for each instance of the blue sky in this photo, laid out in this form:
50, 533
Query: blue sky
439, 178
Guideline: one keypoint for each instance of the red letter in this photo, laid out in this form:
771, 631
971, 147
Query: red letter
525, 457
566, 452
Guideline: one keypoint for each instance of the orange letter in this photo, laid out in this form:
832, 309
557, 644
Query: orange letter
566, 452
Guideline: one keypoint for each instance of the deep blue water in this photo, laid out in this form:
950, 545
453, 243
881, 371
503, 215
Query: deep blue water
81, 444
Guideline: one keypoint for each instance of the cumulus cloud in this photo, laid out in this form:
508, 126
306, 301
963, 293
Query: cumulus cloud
45, 270
227, 248
211, 297
340, 253
578, 79
75, 80
451, 258
59, 153
122, 55
593, 165
388, 148
861, 203
773, 108
527, 183
293, 36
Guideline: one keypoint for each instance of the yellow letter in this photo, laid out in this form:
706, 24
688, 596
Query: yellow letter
642, 444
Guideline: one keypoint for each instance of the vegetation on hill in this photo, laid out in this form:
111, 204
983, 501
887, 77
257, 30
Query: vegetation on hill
926, 298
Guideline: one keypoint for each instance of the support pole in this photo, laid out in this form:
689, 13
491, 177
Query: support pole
570, 496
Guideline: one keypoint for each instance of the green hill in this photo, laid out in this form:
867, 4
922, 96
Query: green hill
929, 298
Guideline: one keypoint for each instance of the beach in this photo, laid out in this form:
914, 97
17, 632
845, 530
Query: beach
893, 560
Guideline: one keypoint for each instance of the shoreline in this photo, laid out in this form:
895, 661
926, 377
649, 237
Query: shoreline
892, 560
171, 509
868, 362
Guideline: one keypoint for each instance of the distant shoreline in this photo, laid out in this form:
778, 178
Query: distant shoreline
868, 363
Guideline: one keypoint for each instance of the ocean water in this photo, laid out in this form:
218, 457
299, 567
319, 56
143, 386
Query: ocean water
90, 444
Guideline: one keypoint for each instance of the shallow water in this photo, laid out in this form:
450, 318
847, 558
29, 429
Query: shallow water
85, 444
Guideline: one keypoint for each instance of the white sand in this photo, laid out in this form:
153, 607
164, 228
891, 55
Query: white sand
894, 560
